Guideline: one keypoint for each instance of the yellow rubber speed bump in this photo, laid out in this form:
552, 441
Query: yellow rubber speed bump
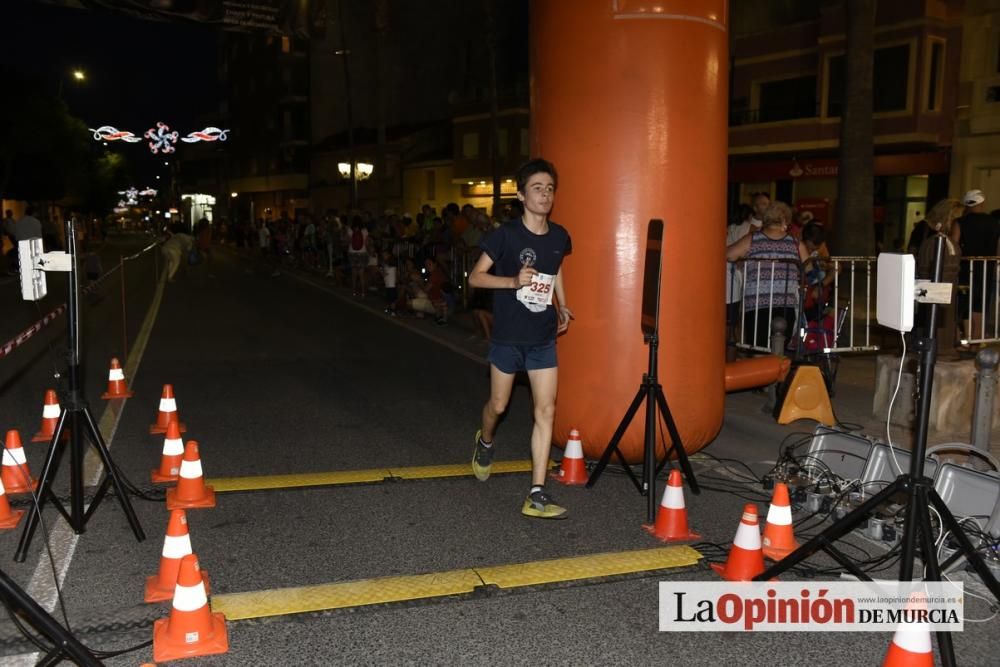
588, 567
263, 482
459, 470
297, 480
282, 601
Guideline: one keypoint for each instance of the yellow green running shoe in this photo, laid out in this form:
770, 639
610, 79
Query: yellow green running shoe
482, 459
540, 505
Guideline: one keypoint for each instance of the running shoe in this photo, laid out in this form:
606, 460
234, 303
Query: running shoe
540, 505
482, 459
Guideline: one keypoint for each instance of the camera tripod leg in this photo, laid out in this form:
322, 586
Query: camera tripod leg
965, 546
612, 447
946, 648
111, 472
52, 458
676, 443
840, 528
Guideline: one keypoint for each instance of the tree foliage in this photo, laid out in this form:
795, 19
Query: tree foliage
46, 154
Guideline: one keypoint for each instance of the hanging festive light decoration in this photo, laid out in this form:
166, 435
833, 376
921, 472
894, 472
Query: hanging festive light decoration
161, 139
208, 134
148, 192
109, 133
131, 196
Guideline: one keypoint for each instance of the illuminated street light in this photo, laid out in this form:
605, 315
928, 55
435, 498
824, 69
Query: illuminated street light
362, 170
78, 76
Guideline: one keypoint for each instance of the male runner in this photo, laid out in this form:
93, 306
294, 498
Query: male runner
526, 257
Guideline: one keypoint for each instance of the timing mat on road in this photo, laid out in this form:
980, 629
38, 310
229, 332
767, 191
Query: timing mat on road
264, 482
383, 590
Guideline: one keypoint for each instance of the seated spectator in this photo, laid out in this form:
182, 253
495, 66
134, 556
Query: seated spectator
434, 302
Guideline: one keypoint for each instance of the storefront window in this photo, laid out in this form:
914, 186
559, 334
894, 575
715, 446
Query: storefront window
890, 81
787, 99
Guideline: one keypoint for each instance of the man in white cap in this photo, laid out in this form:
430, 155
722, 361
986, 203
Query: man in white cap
978, 234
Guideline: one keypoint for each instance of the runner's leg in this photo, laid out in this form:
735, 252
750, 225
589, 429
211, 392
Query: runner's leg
544, 385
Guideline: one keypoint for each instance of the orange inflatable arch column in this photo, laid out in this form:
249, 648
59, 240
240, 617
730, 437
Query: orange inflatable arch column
629, 100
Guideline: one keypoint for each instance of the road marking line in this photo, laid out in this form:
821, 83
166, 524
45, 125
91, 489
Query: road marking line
62, 539
372, 475
302, 599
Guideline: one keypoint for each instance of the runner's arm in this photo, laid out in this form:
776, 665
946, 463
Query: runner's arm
565, 314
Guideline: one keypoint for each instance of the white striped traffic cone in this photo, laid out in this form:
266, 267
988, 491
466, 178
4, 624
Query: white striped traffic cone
168, 411
176, 545
192, 629
911, 645
672, 519
572, 471
746, 560
779, 535
190, 491
116, 382
170, 459
50, 418
8, 517
15, 475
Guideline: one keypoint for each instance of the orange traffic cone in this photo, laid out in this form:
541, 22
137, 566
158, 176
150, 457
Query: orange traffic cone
50, 418
168, 411
176, 545
15, 475
116, 382
779, 536
170, 460
190, 492
192, 629
672, 518
911, 645
745, 560
8, 517
572, 472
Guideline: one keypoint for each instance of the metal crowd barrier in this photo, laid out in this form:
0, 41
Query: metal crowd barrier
457, 262
851, 303
766, 281
854, 298
980, 299
841, 323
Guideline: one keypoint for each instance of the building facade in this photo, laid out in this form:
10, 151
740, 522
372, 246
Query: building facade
267, 107
787, 95
976, 152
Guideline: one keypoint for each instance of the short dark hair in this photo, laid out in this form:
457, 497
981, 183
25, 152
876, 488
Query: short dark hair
814, 233
532, 167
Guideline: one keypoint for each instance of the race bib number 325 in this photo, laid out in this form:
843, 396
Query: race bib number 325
538, 295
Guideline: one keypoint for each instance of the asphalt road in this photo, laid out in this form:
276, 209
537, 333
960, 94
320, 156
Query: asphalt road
276, 376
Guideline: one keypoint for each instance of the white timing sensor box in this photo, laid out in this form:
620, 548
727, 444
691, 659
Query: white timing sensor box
895, 296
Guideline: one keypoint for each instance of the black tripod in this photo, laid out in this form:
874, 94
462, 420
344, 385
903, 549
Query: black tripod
920, 495
650, 391
77, 418
66, 645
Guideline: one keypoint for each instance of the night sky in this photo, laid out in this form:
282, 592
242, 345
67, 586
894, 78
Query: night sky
138, 71
141, 71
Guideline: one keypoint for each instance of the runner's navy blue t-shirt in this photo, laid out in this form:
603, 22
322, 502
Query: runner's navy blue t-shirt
510, 247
